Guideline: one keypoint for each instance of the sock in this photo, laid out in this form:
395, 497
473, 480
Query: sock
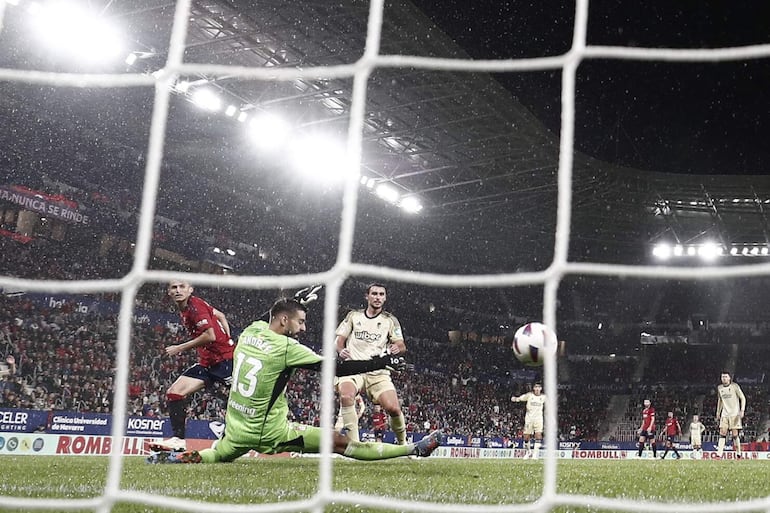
339, 423
737, 445
536, 448
176, 411
376, 451
350, 421
641, 449
676, 452
665, 453
721, 445
398, 426
654, 449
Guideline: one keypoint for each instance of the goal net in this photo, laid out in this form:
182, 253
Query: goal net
165, 80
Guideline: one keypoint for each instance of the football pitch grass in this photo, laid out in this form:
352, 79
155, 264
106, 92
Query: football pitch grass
441, 481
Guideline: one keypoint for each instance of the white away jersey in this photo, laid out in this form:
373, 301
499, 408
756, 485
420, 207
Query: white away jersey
535, 404
368, 337
731, 400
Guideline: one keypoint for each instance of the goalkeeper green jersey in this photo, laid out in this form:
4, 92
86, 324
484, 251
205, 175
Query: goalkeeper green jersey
263, 362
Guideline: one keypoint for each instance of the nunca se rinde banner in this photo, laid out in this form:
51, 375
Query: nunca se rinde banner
44, 204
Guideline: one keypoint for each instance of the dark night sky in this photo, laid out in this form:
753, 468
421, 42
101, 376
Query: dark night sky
704, 118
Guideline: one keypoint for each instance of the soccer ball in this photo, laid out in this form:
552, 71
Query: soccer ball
531, 342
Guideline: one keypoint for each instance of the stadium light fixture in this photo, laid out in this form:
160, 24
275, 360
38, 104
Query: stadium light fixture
231, 110
709, 251
387, 192
322, 157
207, 99
69, 29
182, 86
242, 117
269, 131
230, 252
662, 251
411, 204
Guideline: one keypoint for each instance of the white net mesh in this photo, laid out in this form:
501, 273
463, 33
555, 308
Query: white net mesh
346, 268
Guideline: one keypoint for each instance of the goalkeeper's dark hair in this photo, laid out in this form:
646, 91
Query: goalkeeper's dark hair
286, 305
375, 284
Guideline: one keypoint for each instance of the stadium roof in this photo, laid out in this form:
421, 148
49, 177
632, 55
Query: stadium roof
481, 163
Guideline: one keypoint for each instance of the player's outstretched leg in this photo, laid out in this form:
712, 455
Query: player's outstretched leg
428, 444
173, 444
174, 457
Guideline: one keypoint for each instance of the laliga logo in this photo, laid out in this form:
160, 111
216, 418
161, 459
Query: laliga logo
454, 440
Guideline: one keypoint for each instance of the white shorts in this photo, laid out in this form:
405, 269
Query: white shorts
532, 425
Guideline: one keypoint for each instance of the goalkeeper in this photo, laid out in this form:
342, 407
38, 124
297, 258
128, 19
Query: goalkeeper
257, 409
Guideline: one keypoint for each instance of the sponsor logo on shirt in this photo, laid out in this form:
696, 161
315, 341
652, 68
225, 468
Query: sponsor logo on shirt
367, 336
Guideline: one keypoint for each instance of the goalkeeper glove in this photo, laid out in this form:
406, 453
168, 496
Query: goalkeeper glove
307, 295
394, 363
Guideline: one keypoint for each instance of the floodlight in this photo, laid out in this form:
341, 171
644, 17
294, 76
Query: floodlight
230, 252
217, 250
207, 99
182, 86
67, 28
242, 117
662, 251
387, 192
411, 204
678, 250
269, 131
231, 110
322, 157
131, 58
709, 251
